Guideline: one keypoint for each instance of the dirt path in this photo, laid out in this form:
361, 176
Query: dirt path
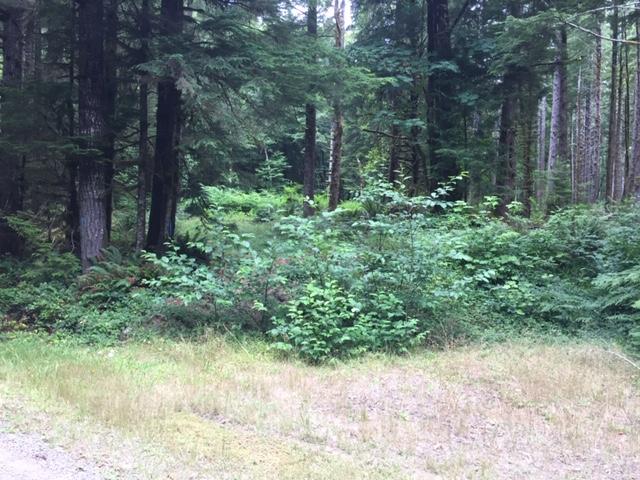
29, 457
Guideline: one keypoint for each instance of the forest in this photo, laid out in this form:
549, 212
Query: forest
341, 192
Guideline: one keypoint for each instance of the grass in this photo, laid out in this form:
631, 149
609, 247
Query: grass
224, 410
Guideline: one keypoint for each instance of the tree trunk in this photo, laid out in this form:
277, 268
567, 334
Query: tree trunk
144, 166
633, 183
310, 127
166, 162
506, 175
612, 141
439, 93
527, 121
542, 148
17, 65
111, 92
394, 155
584, 164
338, 120
558, 144
92, 193
72, 208
627, 122
619, 167
576, 164
595, 137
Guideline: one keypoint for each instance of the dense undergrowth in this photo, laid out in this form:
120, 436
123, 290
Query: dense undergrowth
384, 272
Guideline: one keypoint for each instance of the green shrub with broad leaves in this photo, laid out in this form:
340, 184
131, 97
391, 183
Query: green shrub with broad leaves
384, 272
326, 322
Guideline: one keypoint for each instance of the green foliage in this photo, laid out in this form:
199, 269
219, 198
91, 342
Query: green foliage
182, 277
263, 206
271, 172
382, 273
326, 322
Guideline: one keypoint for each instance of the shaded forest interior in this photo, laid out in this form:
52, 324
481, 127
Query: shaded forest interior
123, 124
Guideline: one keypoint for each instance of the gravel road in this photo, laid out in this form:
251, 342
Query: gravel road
29, 457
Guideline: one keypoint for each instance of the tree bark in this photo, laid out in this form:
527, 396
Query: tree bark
558, 144
144, 166
111, 93
619, 167
72, 213
612, 139
338, 119
506, 175
92, 127
633, 183
310, 127
439, 94
595, 136
626, 140
542, 149
18, 66
166, 162
576, 164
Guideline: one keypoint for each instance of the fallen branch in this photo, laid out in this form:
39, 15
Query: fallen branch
619, 355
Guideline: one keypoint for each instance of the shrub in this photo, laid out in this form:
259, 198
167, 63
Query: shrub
326, 322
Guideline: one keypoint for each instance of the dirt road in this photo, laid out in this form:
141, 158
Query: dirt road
29, 457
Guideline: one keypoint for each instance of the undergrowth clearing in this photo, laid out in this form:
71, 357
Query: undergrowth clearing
220, 409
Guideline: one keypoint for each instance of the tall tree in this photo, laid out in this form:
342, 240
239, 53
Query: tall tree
144, 167
110, 97
337, 125
506, 168
310, 126
612, 139
440, 91
92, 127
577, 158
558, 140
18, 63
166, 160
595, 135
632, 186
72, 213
542, 147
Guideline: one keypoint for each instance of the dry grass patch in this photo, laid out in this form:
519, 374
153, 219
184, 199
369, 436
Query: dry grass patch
511, 411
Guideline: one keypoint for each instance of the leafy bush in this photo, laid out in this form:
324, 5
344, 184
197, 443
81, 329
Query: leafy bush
326, 322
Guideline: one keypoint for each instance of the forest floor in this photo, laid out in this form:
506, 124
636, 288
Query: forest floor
216, 410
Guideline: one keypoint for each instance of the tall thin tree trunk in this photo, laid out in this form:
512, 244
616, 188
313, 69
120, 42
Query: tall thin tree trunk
542, 148
144, 166
595, 137
17, 35
558, 144
619, 167
584, 169
627, 120
72, 208
528, 141
439, 94
612, 139
633, 183
394, 154
166, 161
111, 91
506, 176
338, 120
92, 127
310, 127
576, 170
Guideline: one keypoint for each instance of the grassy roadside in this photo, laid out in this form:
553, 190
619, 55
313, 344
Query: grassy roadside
569, 410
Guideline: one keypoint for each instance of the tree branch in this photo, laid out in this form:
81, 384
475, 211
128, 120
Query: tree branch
603, 37
461, 13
